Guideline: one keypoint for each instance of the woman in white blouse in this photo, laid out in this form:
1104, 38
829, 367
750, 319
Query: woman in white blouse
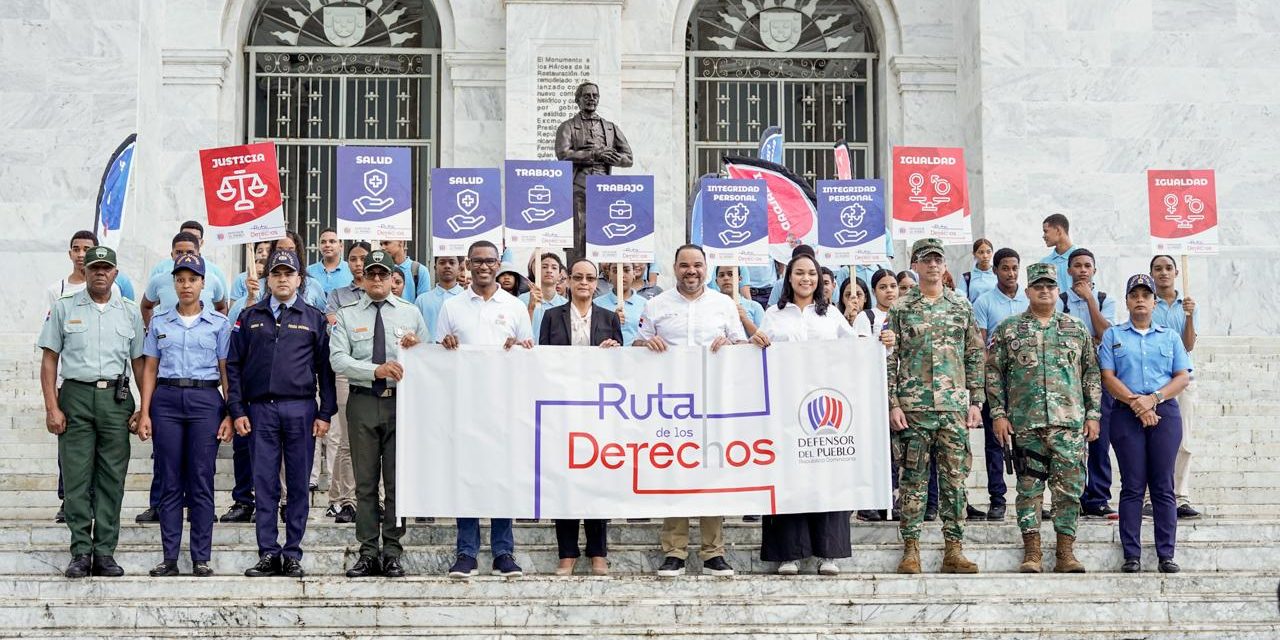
804, 313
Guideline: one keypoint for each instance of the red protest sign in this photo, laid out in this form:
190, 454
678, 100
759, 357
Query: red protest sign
931, 195
1183, 205
242, 194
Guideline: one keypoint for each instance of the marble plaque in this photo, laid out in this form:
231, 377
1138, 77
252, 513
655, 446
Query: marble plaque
557, 77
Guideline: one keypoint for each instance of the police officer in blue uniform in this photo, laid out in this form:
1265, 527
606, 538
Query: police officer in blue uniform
279, 355
186, 357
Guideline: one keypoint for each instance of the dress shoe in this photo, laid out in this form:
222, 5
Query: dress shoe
717, 567
292, 568
267, 566
1131, 565
106, 567
61, 516
599, 566
423, 520
238, 512
930, 514
164, 569
283, 518
313, 486
150, 515
1148, 512
1105, 511
1187, 512
751, 518
1045, 514
331, 512
201, 570
870, 515
365, 567
973, 513
566, 566
391, 567
996, 513
79, 567
1169, 566
346, 515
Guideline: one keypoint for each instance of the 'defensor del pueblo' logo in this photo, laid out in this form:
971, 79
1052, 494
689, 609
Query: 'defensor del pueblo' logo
825, 418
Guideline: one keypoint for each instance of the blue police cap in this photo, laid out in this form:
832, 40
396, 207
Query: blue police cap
189, 262
282, 258
1140, 280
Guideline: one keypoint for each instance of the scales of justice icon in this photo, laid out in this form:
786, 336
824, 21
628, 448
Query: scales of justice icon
241, 186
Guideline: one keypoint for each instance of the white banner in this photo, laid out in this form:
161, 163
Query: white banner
573, 432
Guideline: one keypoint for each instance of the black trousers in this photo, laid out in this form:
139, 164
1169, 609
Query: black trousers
597, 538
795, 536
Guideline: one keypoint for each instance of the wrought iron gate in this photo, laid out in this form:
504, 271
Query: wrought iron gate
806, 66
352, 73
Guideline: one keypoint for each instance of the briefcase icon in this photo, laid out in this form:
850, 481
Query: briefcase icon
620, 210
539, 194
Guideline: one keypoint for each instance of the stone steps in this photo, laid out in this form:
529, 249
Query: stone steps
970, 606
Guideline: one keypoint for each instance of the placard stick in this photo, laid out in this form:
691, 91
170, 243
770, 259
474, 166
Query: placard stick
537, 269
621, 295
735, 285
1186, 277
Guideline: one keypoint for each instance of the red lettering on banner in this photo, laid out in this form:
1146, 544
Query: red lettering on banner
746, 454
612, 450
764, 449
595, 448
680, 455
661, 449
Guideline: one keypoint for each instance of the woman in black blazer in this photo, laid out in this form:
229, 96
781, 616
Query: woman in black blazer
581, 323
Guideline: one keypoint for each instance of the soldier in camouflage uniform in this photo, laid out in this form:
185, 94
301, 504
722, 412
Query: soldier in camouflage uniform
935, 392
1044, 390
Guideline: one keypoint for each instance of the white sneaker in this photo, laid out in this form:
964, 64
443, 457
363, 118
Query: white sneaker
788, 569
828, 567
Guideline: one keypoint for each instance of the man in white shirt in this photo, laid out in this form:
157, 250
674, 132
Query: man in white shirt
691, 314
484, 314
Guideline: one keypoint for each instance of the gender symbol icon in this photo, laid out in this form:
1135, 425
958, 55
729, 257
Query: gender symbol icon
941, 190
1195, 209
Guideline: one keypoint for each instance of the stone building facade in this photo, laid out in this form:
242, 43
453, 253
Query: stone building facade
1061, 107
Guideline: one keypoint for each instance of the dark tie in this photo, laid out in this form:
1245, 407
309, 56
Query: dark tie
279, 312
379, 347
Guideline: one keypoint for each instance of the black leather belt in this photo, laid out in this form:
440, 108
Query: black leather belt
756, 290
189, 383
389, 392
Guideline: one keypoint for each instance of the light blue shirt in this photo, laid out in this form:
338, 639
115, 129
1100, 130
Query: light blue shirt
430, 302
165, 267
633, 308
756, 277
411, 288
160, 291
1143, 363
754, 310
1059, 260
188, 352
331, 280
125, 285
1172, 315
276, 303
240, 288
1079, 308
994, 307
980, 282
541, 310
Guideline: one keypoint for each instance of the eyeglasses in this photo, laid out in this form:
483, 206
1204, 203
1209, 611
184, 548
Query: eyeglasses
583, 277
483, 262
1042, 286
378, 274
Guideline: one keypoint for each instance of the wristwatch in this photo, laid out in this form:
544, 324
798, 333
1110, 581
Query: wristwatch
1159, 397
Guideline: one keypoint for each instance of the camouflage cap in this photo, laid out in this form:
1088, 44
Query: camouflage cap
926, 246
1041, 271
381, 260
100, 254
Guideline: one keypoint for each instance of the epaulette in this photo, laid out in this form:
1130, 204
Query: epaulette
349, 304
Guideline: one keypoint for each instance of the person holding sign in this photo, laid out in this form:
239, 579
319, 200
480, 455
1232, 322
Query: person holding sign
1145, 366
804, 313
691, 314
186, 360
541, 299
484, 315
1043, 388
1177, 312
935, 391
277, 363
365, 348
750, 313
632, 303
580, 323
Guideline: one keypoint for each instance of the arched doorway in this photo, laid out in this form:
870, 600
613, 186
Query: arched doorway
805, 65
344, 72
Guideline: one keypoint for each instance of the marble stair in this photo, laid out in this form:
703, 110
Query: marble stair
1231, 560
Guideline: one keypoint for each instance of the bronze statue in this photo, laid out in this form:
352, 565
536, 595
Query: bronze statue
595, 146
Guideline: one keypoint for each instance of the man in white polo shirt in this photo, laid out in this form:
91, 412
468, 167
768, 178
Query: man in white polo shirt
691, 314
484, 314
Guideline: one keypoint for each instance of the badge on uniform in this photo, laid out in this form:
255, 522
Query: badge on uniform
360, 329
160, 336
74, 321
400, 332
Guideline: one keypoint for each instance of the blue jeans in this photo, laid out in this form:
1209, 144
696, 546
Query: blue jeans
501, 539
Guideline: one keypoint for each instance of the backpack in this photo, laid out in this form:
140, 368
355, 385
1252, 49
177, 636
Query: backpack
1102, 297
871, 319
